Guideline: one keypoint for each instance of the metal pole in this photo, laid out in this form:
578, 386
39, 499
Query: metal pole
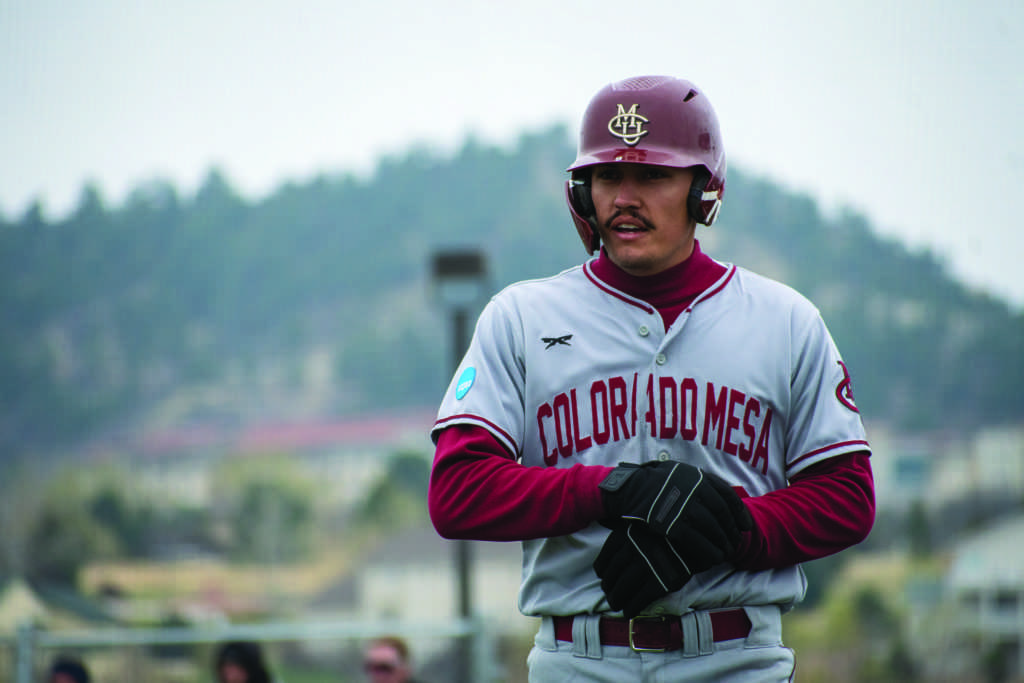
463, 550
459, 276
25, 656
460, 336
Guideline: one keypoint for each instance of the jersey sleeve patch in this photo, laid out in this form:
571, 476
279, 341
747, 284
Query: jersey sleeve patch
465, 383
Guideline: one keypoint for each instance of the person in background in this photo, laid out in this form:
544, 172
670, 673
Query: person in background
241, 662
386, 660
68, 670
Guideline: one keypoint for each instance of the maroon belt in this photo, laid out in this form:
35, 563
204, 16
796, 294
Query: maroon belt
658, 633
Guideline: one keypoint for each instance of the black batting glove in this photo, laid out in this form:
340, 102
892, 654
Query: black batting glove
697, 511
638, 566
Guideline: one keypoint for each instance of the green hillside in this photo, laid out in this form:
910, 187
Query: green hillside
168, 311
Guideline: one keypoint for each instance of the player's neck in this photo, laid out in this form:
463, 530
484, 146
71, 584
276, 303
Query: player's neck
686, 279
669, 291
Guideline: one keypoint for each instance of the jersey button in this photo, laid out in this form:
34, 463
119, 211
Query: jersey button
660, 359
663, 456
644, 331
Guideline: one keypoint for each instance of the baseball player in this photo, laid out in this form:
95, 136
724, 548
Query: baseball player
668, 435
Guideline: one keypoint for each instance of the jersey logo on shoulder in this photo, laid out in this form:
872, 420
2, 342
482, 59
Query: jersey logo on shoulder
551, 341
844, 391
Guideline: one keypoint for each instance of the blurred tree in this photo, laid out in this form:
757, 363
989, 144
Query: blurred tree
130, 522
21, 500
874, 616
998, 660
919, 531
267, 505
62, 539
399, 498
821, 574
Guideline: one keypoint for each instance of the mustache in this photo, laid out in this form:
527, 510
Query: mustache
632, 215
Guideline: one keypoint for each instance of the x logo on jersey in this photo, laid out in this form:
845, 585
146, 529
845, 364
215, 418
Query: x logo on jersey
551, 341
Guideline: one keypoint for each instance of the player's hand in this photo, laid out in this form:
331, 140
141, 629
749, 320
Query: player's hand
638, 566
696, 510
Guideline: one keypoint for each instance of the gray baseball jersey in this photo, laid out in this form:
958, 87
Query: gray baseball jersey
747, 383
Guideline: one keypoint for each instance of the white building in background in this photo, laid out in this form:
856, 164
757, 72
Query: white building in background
998, 459
411, 578
345, 456
985, 587
991, 462
902, 466
942, 468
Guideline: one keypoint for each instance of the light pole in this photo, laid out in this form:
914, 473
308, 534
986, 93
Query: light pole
459, 279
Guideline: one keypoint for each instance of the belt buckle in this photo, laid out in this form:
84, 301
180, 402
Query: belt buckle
632, 645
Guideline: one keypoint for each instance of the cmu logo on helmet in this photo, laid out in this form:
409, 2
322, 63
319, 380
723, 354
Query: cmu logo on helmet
628, 125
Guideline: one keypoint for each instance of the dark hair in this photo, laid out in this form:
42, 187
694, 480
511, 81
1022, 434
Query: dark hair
246, 655
70, 666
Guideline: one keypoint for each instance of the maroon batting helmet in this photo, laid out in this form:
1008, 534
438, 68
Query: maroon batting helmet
658, 120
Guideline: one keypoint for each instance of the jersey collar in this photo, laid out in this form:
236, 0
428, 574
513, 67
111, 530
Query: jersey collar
680, 284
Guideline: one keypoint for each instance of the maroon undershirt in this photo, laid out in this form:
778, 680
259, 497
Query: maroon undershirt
479, 491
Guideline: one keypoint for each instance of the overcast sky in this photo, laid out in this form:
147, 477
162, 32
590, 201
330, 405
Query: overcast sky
910, 112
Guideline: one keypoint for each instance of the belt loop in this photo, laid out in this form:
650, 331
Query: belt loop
705, 632
545, 638
765, 625
690, 636
586, 636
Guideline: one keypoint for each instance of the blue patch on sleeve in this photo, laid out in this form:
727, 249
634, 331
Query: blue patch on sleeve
465, 382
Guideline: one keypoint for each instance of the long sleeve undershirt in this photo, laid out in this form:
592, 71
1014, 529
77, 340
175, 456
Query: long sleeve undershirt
478, 491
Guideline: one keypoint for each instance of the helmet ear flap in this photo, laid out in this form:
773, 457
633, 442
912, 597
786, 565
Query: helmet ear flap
581, 205
701, 177
581, 196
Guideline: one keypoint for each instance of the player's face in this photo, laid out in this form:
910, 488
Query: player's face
641, 215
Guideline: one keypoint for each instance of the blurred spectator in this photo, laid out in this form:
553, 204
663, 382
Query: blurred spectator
241, 662
68, 670
386, 660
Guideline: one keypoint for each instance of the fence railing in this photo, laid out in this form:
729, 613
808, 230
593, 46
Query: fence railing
30, 642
